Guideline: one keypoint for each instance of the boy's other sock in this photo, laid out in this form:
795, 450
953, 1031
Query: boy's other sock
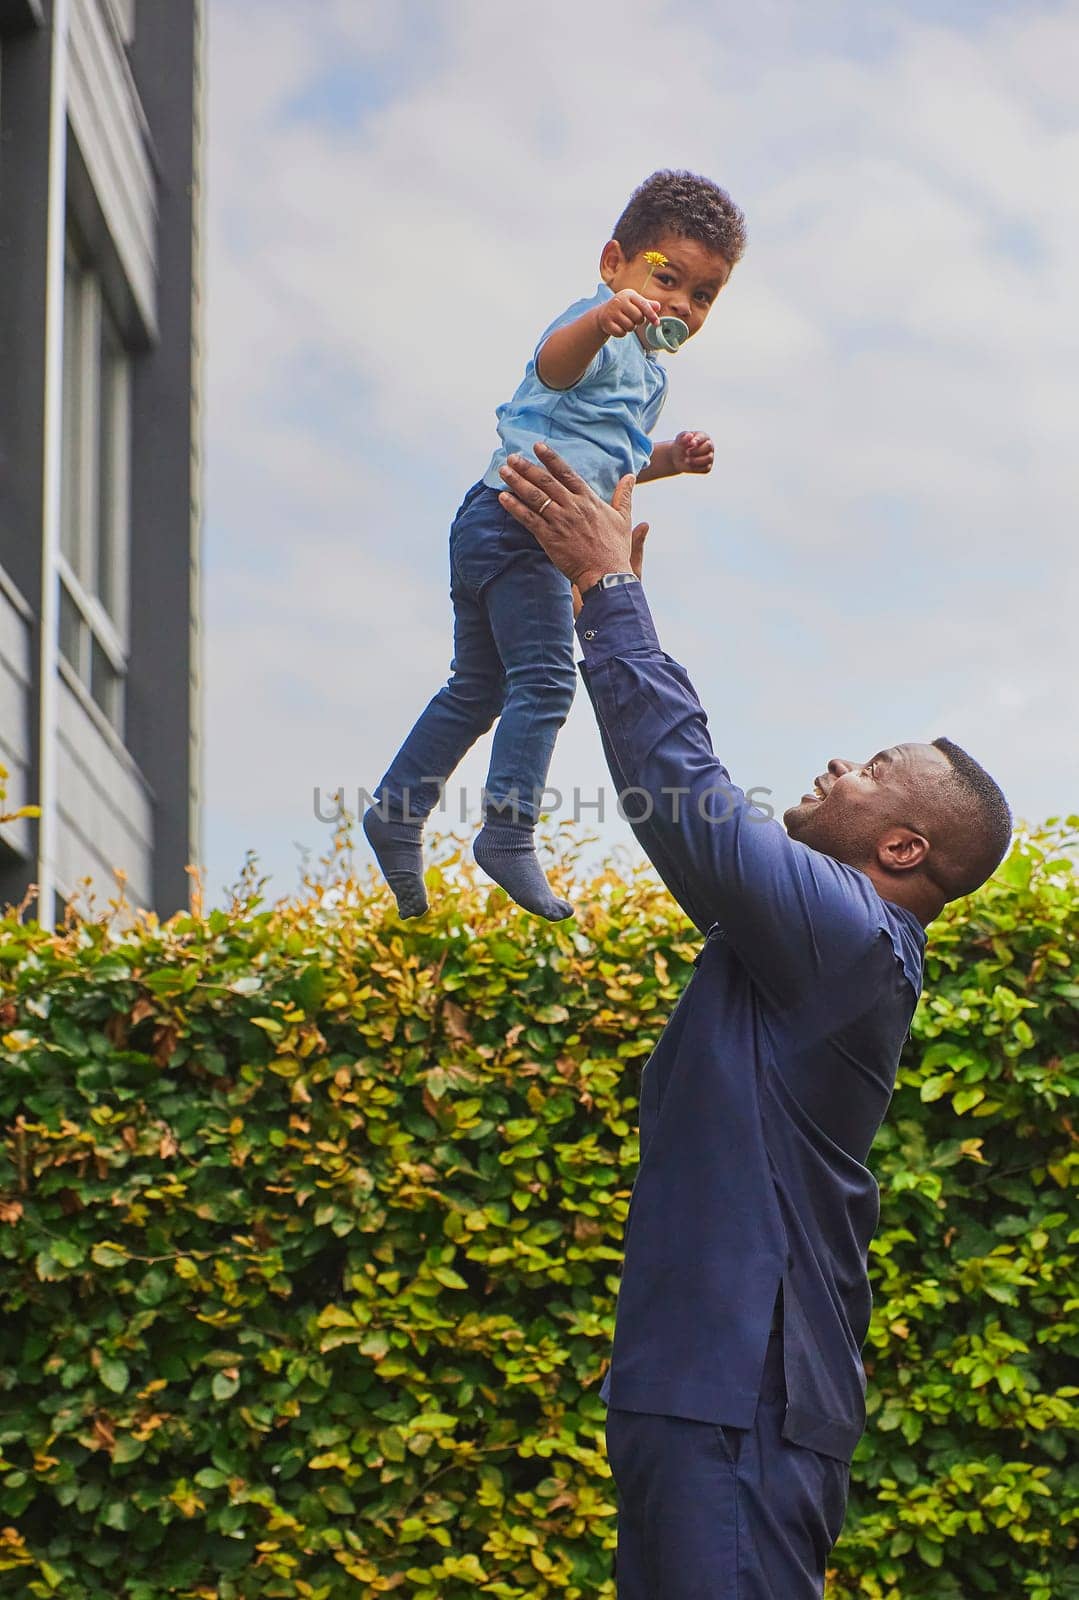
397, 846
506, 852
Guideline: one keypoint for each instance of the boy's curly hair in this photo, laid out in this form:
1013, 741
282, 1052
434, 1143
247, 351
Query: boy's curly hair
685, 204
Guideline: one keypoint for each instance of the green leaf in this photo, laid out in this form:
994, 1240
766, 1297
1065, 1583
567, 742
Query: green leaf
1015, 870
930, 1553
114, 1375
335, 1498
449, 1278
68, 1252
964, 1099
68, 1036
109, 1255
153, 1287
311, 988
431, 1422
46, 1266
551, 1014
119, 1514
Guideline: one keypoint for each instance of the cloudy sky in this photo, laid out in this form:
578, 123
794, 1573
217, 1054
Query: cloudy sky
400, 197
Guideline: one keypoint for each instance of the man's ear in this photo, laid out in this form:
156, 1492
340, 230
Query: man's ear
902, 850
611, 258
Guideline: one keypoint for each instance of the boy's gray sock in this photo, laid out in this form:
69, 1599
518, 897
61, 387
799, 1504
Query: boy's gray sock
506, 852
399, 851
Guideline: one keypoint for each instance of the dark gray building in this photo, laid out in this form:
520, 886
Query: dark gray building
99, 469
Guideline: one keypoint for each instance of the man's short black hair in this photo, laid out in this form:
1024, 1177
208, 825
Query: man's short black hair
684, 204
984, 823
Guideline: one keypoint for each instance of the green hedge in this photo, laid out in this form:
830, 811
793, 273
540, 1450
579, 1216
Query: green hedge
311, 1223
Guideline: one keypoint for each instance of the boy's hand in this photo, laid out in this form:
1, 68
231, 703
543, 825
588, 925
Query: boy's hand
693, 452
626, 311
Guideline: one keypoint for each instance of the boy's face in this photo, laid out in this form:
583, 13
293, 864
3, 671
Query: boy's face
687, 287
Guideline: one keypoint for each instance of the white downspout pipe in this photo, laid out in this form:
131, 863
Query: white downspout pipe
52, 464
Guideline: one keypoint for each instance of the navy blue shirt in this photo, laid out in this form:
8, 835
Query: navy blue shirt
761, 1099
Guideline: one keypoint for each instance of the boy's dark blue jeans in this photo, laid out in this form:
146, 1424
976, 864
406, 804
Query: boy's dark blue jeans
512, 659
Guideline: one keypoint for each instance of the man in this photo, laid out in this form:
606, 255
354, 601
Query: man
736, 1389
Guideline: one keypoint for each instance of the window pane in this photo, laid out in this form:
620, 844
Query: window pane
71, 627
71, 423
114, 476
104, 683
90, 429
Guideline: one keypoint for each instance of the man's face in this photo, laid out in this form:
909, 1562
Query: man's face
853, 803
686, 287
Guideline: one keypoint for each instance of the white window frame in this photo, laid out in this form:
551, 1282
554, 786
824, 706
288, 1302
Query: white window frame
86, 412
122, 15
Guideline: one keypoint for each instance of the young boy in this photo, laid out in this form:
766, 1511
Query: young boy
593, 390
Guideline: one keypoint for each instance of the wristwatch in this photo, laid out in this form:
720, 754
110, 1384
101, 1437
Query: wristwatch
610, 579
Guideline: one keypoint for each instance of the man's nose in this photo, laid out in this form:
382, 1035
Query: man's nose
839, 765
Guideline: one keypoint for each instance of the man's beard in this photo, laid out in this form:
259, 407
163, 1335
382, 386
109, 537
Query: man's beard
829, 833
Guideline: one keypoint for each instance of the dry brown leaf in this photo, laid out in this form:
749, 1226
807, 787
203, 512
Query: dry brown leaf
166, 1038
456, 1022
104, 1436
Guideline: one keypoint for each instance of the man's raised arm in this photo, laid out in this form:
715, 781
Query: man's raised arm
794, 914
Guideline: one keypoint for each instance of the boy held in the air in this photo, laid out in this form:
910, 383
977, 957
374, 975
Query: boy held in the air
593, 391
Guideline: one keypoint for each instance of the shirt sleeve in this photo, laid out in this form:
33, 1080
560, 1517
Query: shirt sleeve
794, 915
599, 361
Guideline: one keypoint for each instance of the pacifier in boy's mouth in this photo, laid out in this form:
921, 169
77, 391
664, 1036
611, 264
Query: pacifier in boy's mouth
667, 334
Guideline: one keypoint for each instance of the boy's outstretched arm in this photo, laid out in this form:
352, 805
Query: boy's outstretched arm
566, 354
689, 452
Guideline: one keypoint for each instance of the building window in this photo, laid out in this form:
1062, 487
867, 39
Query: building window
95, 489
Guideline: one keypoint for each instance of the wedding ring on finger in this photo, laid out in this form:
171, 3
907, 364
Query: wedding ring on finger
542, 508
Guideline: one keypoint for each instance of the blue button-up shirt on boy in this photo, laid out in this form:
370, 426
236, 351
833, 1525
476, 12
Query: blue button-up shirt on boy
763, 1095
602, 425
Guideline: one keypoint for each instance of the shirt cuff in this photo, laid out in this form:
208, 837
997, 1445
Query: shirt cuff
615, 622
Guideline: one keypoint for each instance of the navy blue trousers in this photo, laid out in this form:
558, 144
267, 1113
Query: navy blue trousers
512, 659
715, 1513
